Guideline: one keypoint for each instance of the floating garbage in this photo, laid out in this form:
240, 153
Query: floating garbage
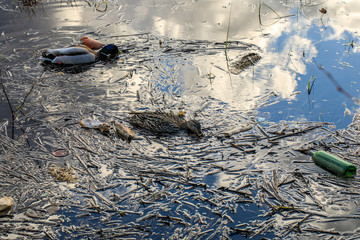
333, 164
62, 174
124, 132
121, 130
90, 123
60, 153
95, 124
232, 131
323, 10
6, 203
105, 127
181, 113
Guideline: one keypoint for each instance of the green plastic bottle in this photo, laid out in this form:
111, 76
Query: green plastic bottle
333, 164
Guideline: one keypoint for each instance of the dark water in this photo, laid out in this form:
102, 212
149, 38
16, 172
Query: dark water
292, 47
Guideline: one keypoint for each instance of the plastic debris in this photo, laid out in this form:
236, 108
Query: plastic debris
95, 124
90, 123
124, 132
6, 203
60, 153
333, 164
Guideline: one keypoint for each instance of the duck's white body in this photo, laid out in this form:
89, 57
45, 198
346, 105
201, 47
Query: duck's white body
70, 55
82, 54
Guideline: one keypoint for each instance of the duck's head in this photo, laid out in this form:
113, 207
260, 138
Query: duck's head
108, 52
192, 126
91, 43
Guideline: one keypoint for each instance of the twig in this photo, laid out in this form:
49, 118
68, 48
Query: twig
10, 106
268, 224
295, 225
83, 164
295, 133
27, 95
337, 85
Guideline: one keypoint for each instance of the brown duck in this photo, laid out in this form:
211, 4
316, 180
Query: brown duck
165, 122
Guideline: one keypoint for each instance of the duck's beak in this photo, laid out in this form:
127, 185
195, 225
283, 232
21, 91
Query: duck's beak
123, 51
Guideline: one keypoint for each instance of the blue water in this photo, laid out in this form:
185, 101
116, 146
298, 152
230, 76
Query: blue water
324, 103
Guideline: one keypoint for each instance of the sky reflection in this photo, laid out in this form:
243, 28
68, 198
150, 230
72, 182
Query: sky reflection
293, 37
294, 41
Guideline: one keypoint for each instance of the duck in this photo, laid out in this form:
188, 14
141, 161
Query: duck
165, 122
81, 54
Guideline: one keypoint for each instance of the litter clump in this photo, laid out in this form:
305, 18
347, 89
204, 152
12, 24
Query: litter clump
95, 124
121, 130
62, 174
124, 132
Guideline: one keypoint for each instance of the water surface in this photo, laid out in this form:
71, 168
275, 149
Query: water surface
176, 60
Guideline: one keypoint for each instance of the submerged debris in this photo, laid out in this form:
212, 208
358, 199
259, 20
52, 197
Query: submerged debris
35, 213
